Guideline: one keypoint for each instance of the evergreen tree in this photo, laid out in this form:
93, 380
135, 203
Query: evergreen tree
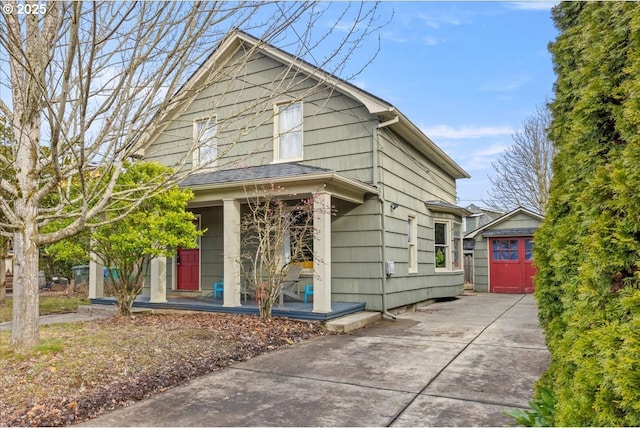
588, 248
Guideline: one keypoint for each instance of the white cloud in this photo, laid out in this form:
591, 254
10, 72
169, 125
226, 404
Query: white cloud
439, 21
480, 158
466, 132
489, 152
394, 37
430, 41
533, 5
505, 86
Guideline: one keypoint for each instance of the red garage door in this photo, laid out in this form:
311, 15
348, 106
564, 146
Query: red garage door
511, 261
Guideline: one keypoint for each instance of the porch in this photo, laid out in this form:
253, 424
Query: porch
290, 309
219, 200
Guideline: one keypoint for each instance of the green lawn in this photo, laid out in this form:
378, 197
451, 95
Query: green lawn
53, 304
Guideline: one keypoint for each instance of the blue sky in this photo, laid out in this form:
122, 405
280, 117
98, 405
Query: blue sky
468, 74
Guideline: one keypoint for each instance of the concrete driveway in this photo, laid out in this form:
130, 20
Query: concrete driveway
455, 363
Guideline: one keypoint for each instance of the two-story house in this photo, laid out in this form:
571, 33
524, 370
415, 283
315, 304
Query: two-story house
394, 236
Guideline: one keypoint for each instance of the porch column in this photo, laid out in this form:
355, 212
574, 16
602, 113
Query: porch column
322, 253
158, 285
96, 277
231, 219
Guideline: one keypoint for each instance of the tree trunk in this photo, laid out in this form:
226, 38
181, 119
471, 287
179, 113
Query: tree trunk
3, 275
24, 333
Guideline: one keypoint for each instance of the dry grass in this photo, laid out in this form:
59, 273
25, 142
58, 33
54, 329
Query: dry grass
81, 370
50, 303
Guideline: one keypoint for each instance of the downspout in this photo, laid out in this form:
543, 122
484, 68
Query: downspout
383, 204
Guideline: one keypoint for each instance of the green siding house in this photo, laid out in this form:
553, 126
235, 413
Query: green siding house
394, 236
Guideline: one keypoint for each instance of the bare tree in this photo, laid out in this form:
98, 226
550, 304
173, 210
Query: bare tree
90, 82
523, 172
276, 234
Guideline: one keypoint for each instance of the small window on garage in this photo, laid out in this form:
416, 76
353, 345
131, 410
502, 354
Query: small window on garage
528, 250
504, 249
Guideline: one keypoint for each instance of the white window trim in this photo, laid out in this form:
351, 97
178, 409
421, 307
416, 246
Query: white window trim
449, 244
276, 132
196, 151
412, 242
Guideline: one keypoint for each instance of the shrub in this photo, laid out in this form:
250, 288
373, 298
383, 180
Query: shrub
588, 248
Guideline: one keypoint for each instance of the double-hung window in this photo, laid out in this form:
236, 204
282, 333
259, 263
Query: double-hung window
205, 154
412, 240
288, 132
441, 244
456, 248
447, 245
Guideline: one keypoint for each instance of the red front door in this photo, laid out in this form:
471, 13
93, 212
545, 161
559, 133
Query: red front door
188, 262
511, 269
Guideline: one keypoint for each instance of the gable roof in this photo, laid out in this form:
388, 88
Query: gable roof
507, 216
478, 211
387, 114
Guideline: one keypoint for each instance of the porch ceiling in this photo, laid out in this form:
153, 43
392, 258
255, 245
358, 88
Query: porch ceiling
291, 180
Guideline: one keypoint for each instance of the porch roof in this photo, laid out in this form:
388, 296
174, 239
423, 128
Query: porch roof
446, 207
252, 173
295, 178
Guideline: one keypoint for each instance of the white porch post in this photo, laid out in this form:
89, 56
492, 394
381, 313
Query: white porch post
158, 285
96, 277
231, 219
322, 253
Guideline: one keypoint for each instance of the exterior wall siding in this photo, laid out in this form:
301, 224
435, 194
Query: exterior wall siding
481, 265
337, 130
211, 248
409, 179
356, 255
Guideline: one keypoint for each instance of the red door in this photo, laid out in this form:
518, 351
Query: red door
511, 269
188, 262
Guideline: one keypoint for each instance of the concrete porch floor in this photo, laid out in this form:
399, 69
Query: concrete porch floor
290, 309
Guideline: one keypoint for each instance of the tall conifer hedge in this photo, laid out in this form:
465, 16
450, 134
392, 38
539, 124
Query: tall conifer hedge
588, 248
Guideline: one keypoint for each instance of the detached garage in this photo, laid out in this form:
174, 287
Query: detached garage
503, 253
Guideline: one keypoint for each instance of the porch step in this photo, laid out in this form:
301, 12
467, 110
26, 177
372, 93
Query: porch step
353, 322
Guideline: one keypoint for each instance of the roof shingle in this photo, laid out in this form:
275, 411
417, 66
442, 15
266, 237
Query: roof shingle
261, 172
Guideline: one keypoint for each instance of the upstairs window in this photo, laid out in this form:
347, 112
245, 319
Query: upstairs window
205, 154
288, 132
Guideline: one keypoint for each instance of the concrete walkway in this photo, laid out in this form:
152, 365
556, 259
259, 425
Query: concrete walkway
456, 363
84, 313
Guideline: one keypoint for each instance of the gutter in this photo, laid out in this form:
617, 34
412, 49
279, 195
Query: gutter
383, 204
